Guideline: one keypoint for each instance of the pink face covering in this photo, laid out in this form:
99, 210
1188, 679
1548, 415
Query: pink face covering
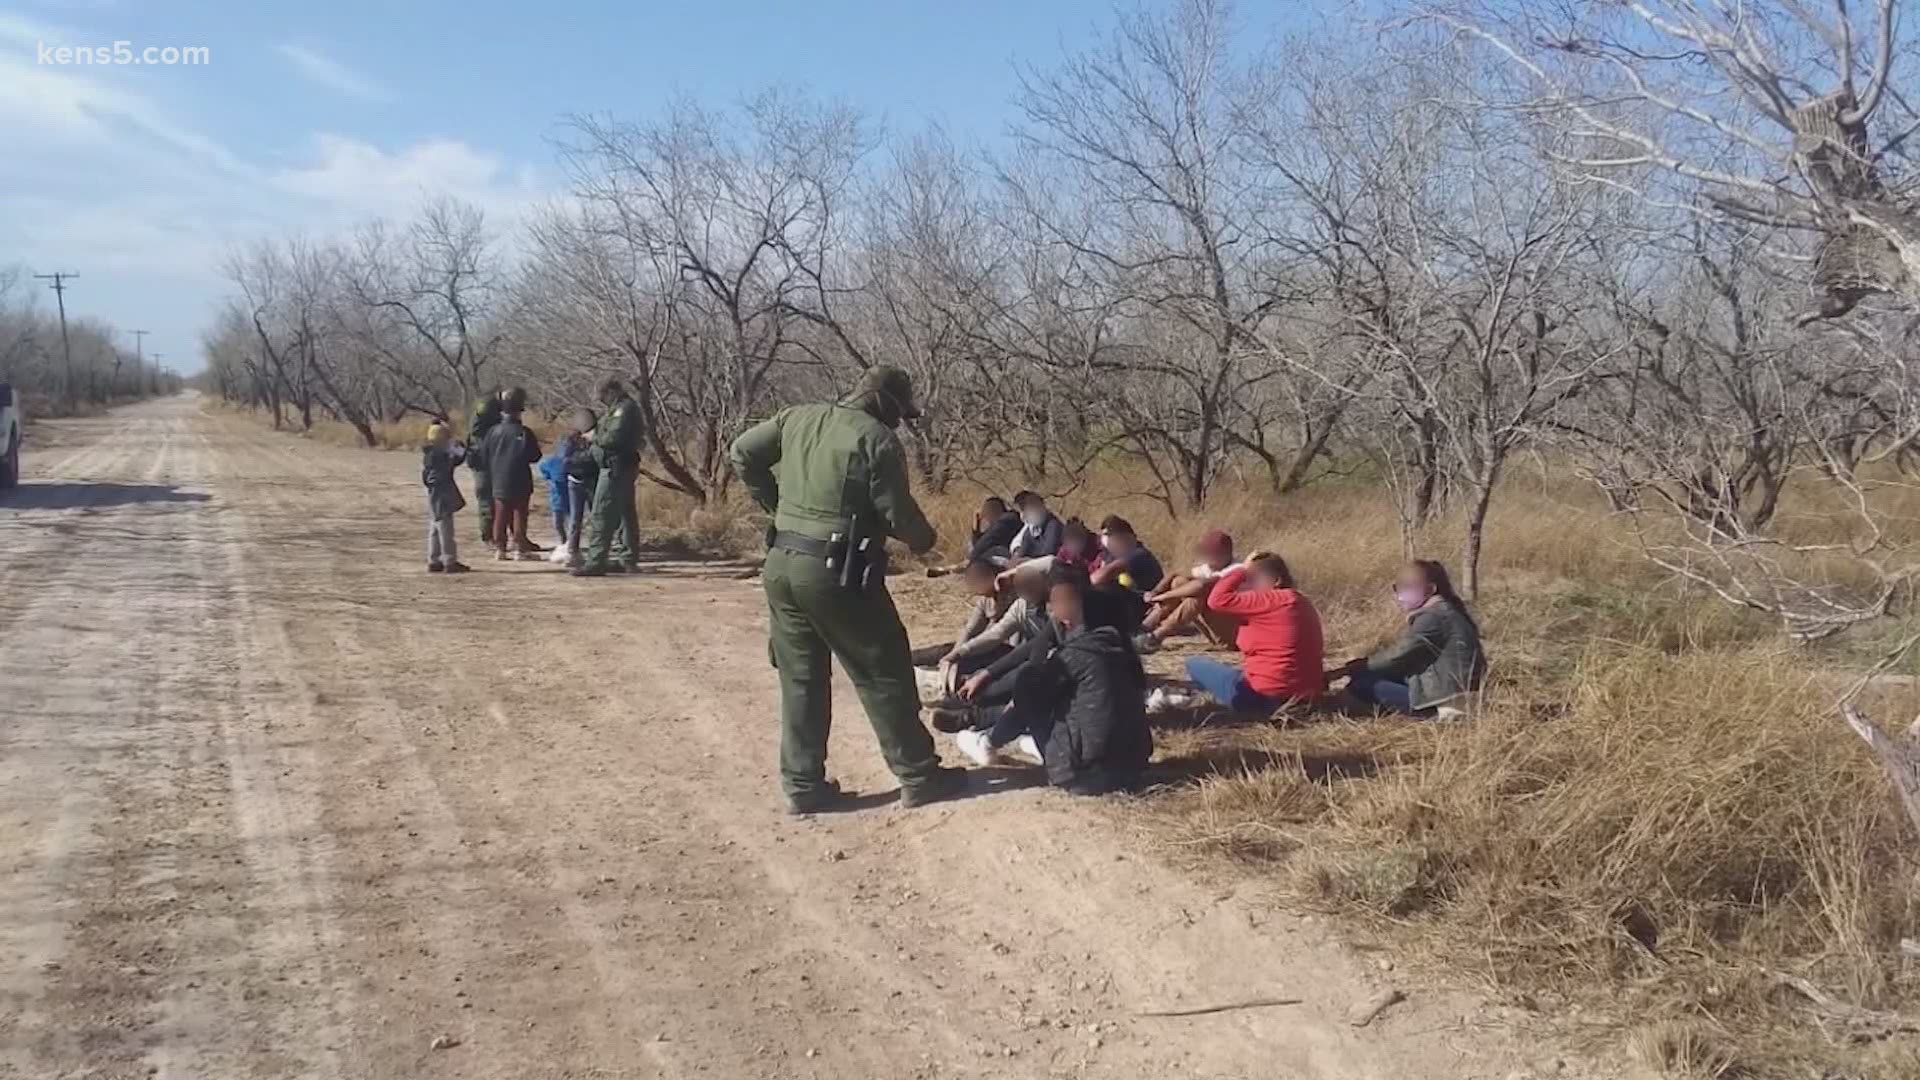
1410, 600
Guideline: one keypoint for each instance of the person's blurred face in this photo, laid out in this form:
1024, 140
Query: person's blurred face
1411, 589
1119, 544
1214, 557
1034, 513
980, 580
1064, 606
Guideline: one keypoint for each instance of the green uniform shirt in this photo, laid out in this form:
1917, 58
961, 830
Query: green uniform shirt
617, 436
814, 466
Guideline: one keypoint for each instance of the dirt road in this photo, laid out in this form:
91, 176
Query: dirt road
276, 803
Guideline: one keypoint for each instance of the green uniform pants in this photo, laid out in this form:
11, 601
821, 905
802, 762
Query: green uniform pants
615, 523
483, 495
813, 621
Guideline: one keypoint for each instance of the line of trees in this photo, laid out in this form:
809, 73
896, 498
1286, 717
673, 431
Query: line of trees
34, 361
1666, 242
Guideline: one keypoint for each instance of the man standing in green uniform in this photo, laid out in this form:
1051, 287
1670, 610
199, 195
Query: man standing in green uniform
616, 449
822, 470
486, 414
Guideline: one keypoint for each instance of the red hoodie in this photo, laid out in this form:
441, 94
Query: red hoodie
1279, 635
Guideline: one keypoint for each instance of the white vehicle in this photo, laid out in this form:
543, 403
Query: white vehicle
10, 424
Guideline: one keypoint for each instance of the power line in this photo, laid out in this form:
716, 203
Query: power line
59, 287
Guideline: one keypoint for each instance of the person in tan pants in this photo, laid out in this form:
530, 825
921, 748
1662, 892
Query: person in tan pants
1179, 605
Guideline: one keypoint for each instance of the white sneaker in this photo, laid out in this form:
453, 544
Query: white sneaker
558, 556
500, 555
1026, 749
974, 747
1163, 699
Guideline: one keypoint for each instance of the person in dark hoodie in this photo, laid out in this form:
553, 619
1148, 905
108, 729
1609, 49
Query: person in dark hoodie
444, 501
1079, 707
510, 451
486, 413
994, 528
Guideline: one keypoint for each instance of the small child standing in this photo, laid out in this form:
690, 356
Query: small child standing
553, 469
444, 501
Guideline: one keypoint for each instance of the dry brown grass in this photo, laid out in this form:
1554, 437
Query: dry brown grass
1657, 811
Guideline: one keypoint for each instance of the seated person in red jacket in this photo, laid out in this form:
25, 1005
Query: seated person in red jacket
1279, 636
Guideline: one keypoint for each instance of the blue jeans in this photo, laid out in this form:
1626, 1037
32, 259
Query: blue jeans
1228, 685
1382, 693
579, 502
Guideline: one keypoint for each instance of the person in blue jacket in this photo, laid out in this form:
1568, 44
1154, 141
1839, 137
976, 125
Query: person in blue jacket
553, 469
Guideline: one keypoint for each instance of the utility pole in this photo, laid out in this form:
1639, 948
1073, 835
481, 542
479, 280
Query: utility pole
59, 286
139, 360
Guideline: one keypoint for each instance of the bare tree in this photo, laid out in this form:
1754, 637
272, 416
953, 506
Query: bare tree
700, 258
1774, 113
434, 286
1150, 131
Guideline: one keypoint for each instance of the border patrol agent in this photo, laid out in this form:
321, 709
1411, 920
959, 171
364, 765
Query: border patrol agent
616, 523
486, 414
833, 477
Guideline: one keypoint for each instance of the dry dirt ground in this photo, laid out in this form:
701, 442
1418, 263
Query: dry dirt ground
274, 802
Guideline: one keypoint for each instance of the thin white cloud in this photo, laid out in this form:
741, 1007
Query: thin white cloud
81, 107
332, 74
360, 178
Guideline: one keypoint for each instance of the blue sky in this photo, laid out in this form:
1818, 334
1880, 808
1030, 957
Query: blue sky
310, 116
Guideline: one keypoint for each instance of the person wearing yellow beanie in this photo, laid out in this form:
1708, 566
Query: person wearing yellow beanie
437, 460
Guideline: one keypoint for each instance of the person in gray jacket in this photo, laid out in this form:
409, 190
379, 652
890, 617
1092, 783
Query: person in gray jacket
1436, 660
437, 459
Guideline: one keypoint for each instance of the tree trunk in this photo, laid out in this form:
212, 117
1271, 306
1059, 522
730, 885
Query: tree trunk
1199, 464
1295, 476
1476, 530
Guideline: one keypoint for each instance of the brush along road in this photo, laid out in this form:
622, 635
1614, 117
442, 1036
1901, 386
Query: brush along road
275, 802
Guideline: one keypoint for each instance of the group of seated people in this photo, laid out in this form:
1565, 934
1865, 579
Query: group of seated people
1047, 668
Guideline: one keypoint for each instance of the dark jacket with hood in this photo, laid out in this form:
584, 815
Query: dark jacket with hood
436, 474
1042, 635
1100, 740
510, 451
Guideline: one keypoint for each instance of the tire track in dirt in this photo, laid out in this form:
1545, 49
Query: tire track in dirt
95, 728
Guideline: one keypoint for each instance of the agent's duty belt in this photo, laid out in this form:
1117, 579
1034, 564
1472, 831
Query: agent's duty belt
856, 561
803, 545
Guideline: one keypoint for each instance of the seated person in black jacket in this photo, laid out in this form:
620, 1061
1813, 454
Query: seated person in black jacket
994, 527
1078, 706
993, 686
